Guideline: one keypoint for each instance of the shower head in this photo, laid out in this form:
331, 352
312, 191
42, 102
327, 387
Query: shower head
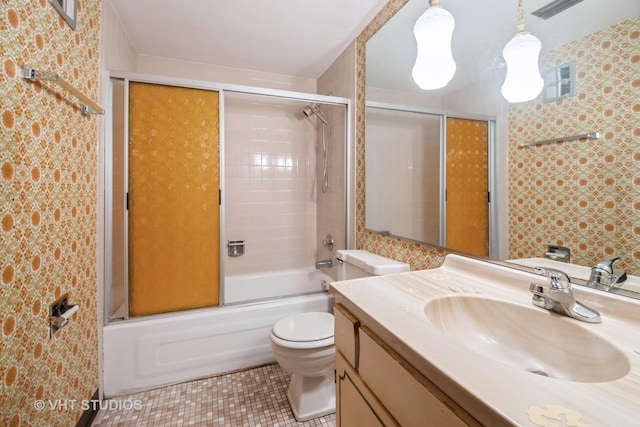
314, 109
310, 110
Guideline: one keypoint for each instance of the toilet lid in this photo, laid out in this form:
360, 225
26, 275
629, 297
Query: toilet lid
304, 327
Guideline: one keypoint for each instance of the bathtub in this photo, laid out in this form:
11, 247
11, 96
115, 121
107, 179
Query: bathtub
248, 287
173, 348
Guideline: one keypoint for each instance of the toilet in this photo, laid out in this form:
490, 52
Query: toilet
356, 263
303, 343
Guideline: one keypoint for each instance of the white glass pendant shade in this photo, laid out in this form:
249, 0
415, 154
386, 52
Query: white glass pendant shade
523, 82
434, 66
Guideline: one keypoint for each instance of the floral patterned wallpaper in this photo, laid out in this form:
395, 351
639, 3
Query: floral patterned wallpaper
584, 195
48, 218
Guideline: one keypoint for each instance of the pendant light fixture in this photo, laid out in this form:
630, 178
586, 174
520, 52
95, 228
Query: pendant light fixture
434, 66
523, 81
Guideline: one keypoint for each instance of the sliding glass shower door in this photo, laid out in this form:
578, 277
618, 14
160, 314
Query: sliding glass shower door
173, 199
467, 178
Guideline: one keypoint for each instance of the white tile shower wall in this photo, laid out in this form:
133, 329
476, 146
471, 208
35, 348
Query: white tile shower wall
338, 80
410, 175
331, 205
270, 184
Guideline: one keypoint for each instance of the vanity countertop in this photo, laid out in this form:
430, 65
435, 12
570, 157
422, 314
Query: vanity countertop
494, 392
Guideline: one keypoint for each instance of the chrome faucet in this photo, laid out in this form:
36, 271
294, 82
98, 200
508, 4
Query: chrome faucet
604, 276
557, 296
325, 263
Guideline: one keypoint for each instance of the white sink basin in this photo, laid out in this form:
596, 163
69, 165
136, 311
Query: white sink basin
528, 338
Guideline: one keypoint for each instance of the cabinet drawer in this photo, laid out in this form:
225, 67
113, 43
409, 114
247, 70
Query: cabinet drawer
407, 399
346, 334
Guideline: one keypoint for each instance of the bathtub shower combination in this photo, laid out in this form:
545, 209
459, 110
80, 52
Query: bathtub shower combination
175, 313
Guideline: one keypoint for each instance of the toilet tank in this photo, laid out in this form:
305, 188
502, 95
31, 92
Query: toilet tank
356, 263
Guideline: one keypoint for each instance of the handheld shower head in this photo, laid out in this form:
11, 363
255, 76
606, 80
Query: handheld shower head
314, 109
310, 110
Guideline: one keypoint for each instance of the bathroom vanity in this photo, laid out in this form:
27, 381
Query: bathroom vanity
464, 345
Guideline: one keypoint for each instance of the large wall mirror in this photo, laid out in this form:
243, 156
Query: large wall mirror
583, 195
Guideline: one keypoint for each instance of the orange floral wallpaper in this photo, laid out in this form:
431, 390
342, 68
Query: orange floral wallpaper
48, 213
583, 194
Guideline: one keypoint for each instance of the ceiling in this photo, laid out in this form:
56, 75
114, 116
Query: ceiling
293, 37
303, 37
482, 30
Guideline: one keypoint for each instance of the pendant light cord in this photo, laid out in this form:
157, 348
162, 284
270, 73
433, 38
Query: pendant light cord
520, 17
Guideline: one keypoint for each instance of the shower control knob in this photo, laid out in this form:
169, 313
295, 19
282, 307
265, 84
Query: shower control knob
328, 242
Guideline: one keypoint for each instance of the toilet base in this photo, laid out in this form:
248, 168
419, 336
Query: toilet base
312, 397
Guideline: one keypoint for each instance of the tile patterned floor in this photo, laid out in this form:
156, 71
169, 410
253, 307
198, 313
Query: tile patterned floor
252, 398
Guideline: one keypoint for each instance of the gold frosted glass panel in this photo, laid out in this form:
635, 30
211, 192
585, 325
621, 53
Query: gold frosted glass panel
174, 208
467, 186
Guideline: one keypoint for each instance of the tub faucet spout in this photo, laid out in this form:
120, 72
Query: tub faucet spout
557, 296
325, 263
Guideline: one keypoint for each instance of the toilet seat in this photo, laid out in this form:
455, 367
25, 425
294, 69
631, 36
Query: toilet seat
304, 330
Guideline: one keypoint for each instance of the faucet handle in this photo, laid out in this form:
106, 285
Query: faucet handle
606, 264
556, 279
604, 276
558, 296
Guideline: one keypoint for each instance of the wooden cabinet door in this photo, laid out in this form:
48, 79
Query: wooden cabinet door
356, 405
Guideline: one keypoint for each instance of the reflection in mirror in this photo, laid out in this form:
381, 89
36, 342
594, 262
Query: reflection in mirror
402, 177
427, 177
583, 195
